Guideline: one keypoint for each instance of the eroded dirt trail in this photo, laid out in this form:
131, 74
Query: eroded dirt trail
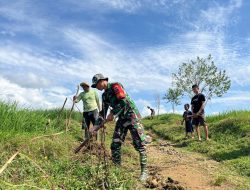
192, 171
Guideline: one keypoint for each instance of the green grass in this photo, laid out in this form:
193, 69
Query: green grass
229, 134
15, 120
49, 162
219, 180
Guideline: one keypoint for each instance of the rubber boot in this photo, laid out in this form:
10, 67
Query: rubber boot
144, 171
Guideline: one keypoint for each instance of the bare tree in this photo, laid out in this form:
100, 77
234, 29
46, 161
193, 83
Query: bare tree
158, 103
173, 96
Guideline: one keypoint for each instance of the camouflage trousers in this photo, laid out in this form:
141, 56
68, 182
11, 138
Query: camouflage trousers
136, 131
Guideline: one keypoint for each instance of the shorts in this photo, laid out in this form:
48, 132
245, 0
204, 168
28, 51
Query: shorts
199, 121
189, 127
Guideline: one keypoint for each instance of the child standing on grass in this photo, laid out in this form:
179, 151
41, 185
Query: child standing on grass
187, 117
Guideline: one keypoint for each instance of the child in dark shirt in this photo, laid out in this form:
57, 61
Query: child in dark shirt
187, 117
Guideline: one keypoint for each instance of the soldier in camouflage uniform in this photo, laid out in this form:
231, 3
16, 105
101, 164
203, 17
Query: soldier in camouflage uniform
124, 108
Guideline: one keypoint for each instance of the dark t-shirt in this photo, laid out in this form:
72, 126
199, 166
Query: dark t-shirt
152, 110
186, 114
196, 102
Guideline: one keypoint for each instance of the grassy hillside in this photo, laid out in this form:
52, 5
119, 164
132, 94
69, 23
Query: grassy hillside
229, 133
49, 162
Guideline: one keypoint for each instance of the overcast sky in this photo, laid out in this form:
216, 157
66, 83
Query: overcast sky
48, 47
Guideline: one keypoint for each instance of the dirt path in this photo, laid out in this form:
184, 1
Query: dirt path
192, 171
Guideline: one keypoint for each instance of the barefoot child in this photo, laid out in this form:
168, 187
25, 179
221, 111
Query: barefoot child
187, 117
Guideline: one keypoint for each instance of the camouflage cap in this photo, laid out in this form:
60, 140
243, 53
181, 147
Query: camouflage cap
96, 79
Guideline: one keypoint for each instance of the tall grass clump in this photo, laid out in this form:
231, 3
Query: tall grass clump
16, 120
46, 158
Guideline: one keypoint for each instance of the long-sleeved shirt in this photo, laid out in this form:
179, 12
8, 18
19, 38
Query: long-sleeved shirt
90, 100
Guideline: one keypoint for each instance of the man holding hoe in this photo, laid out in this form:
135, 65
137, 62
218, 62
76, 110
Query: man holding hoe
91, 105
152, 112
123, 108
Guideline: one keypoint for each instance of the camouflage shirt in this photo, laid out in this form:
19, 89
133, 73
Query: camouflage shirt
122, 105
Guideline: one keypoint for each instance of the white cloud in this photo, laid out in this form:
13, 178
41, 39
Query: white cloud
23, 17
126, 5
33, 98
87, 41
15, 55
209, 37
7, 33
217, 17
117, 63
28, 80
143, 69
59, 90
166, 7
147, 69
239, 71
28, 67
239, 98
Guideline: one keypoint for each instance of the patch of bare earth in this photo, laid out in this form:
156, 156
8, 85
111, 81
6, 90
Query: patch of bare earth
172, 168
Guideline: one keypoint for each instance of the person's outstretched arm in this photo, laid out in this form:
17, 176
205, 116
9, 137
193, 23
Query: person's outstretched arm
77, 99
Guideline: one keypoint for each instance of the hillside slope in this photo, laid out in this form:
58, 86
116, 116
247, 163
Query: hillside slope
46, 158
229, 134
